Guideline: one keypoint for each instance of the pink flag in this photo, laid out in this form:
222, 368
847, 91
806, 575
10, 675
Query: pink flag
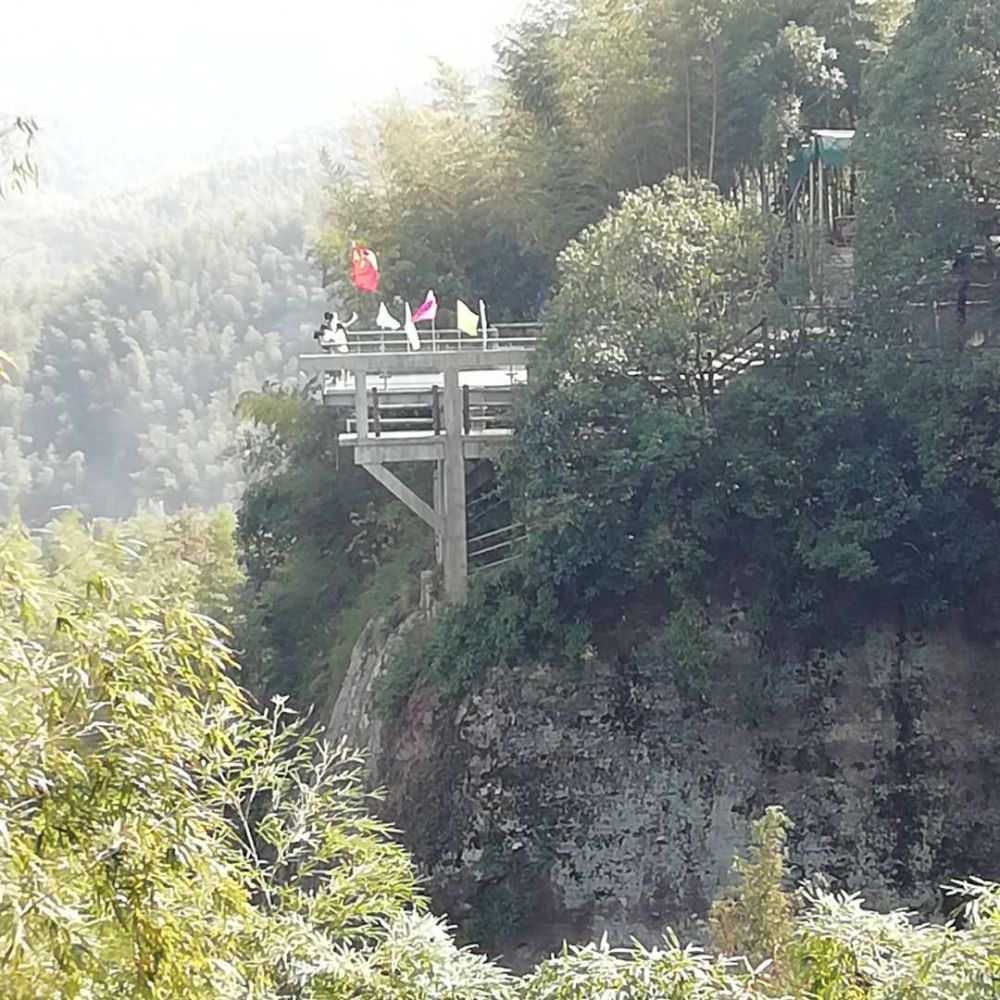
428, 310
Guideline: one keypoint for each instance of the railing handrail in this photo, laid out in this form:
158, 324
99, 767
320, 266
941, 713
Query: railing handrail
445, 340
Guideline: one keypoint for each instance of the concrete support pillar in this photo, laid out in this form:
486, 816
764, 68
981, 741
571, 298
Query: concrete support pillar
361, 404
439, 510
456, 556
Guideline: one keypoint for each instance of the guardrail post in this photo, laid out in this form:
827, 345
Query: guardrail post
377, 417
436, 409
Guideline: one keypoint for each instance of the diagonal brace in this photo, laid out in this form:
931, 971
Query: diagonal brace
402, 492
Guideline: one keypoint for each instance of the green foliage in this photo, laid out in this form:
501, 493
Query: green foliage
690, 644
635, 91
598, 470
404, 663
929, 156
680, 973
323, 547
672, 274
187, 556
160, 837
437, 191
507, 619
847, 477
755, 918
416, 959
609, 441
391, 592
477, 192
862, 479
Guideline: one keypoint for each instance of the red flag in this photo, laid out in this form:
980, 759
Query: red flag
364, 269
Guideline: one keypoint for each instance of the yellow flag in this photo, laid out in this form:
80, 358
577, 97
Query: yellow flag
468, 321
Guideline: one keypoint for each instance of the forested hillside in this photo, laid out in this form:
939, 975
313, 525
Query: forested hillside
136, 322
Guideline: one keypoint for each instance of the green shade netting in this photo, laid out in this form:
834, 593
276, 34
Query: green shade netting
832, 146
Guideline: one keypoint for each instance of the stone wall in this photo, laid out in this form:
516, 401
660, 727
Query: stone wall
552, 804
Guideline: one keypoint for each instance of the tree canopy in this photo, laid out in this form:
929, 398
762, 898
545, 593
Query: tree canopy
477, 192
931, 185
146, 319
161, 837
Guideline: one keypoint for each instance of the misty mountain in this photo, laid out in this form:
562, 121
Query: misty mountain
137, 319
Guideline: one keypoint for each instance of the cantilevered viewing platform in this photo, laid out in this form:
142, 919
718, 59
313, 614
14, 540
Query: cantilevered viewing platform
447, 402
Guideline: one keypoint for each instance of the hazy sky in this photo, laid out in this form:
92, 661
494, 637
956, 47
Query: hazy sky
170, 79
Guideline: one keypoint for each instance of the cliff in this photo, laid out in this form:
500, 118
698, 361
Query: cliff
550, 805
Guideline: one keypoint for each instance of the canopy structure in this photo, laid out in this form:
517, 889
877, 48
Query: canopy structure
831, 147
821, 182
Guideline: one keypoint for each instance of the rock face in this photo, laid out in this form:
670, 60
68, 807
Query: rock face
551, 805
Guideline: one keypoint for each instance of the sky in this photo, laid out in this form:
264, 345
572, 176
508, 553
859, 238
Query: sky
142, 85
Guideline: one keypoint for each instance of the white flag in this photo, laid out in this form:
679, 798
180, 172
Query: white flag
482, 319
412, 337
385, 320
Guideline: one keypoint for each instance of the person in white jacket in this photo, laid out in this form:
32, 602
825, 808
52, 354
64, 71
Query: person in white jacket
332, 333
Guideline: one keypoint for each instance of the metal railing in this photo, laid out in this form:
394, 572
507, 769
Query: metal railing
496, 548
483, 411
504, 336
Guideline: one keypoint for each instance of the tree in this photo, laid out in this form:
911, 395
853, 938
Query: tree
160, 836
755, 917
435, 190
129, 363
928, 158
610, 434
704, 88
669, 278
17, 134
